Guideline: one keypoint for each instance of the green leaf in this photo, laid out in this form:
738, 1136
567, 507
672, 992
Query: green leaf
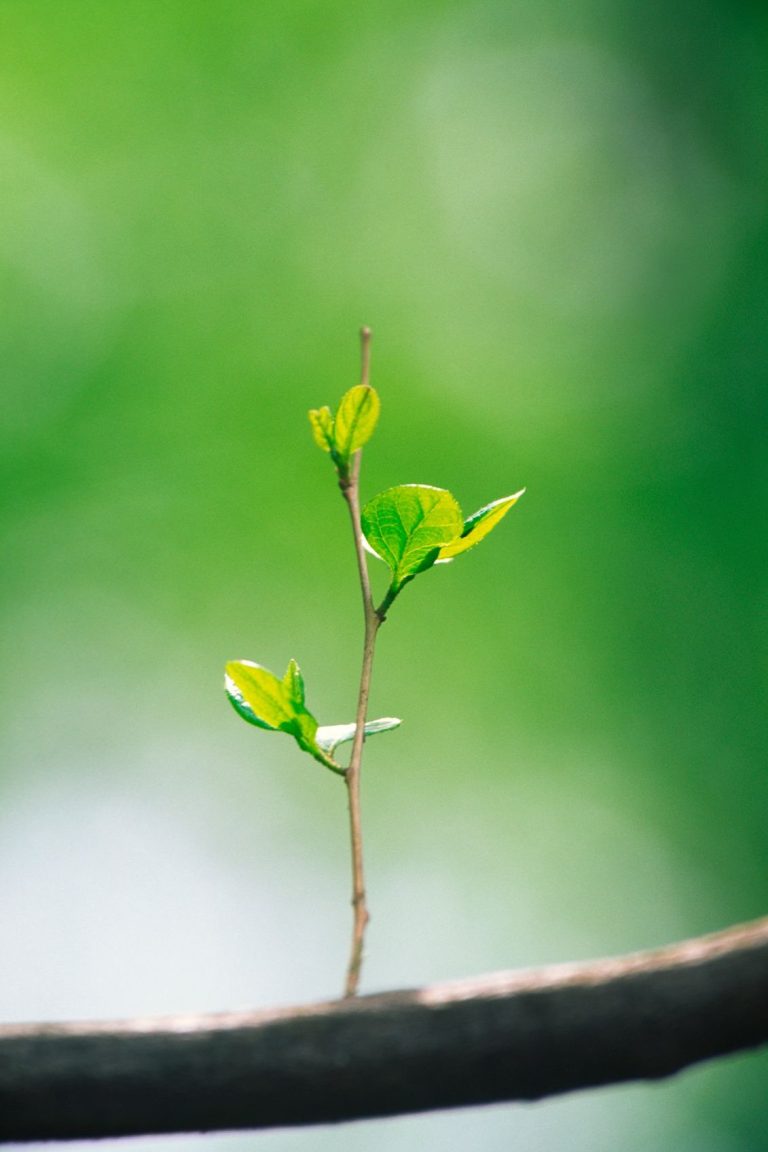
407, 526
478, 525
262, 699
322, 427
355, 420
259, 696
294, 682
331, 735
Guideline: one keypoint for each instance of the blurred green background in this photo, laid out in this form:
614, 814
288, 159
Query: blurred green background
554, 218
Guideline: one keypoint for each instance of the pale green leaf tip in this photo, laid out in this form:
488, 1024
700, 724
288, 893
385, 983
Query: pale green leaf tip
330, 736
371, 551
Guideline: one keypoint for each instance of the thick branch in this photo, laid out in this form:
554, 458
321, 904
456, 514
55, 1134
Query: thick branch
509, 1036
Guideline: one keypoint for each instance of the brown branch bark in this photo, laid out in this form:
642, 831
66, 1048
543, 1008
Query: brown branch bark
509, 1036
350, 488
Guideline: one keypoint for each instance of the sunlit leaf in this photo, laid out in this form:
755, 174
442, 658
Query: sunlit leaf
294, 682
322, 427
355, 420
331, 735
262, 699
478, 525
406, 526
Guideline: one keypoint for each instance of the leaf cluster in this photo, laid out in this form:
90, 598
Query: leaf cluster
278, 705
352, 427
413, 526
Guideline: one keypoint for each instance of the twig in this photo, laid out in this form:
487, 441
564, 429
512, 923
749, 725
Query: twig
351, 492
509, 1036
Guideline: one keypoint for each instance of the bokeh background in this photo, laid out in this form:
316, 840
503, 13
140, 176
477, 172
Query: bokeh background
554, 218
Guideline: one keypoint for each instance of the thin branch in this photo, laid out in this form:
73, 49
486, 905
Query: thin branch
359, 905
351, 492
365, 355
352, 777
509, 1036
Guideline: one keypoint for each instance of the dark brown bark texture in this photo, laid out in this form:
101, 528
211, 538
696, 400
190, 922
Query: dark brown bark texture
509, 1036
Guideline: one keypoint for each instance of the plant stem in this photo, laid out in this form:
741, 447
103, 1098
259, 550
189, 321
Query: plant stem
351, 492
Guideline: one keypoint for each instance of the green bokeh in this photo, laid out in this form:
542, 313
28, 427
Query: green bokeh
554, 218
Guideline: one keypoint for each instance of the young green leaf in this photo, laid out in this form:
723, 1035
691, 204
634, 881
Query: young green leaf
352, 427
322, 427
478, 525
294, 683
262, 699
355, 420
259, 696
407, 526
331, 735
